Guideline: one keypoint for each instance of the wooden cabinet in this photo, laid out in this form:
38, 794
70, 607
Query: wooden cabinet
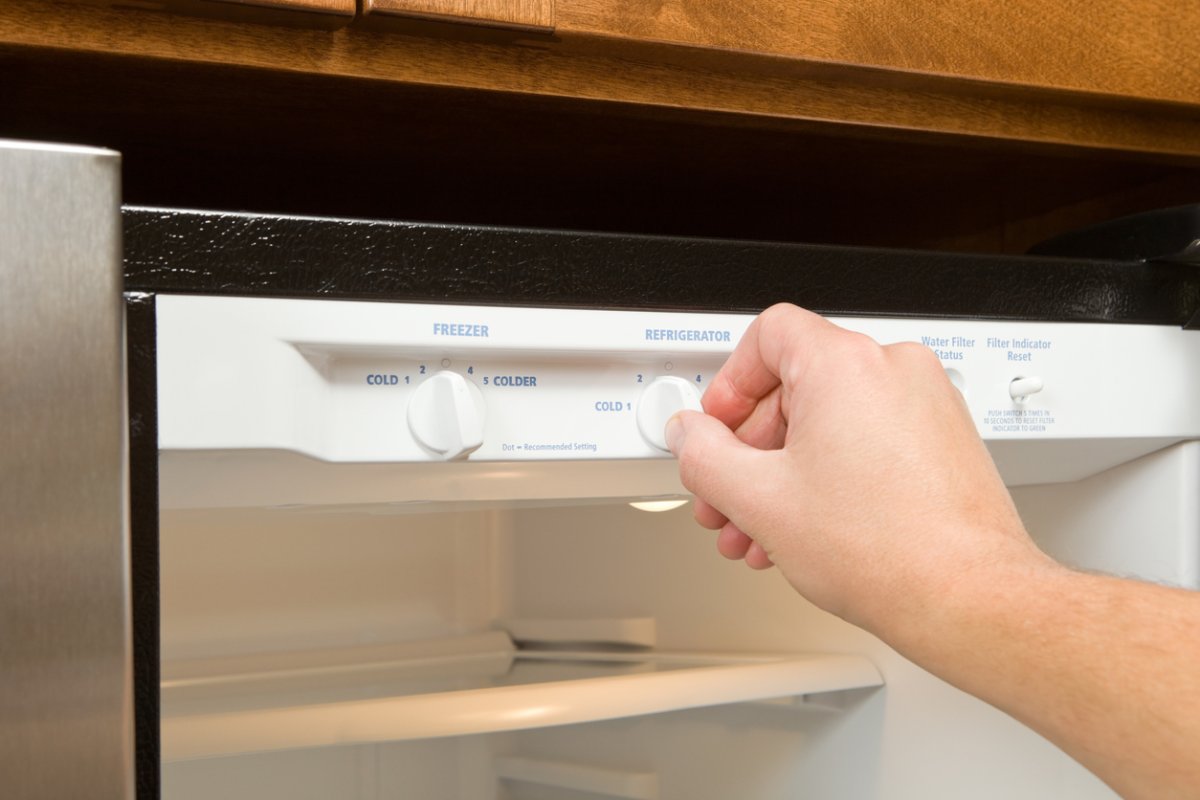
535, 15
949, 124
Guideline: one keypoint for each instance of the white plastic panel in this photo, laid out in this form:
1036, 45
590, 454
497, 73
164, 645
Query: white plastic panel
283, 480
333, 380
429, 770
249, 582
578, 777
273, 389
1141, 519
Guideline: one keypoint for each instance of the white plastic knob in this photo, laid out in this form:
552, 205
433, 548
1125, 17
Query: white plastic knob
659, 402
1020, 388
445, 415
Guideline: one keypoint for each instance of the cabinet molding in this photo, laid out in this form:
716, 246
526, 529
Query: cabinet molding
535, 15
249, 10
1125, 48
344, 7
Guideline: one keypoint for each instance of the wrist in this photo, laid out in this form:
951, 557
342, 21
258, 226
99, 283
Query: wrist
957, 600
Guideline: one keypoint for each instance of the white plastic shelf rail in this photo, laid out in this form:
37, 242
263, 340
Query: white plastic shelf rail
255, 704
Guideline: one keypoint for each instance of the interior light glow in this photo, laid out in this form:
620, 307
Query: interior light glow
658, 505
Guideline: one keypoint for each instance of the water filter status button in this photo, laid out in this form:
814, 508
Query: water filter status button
445, 415
659, 402
1020, 388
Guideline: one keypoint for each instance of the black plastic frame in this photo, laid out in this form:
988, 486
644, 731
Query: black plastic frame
142, 372
245, 254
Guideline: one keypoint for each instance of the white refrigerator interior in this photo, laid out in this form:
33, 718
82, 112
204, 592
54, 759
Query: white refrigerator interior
400, 560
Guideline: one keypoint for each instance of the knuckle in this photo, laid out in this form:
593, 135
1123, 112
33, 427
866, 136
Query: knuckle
858, 348
780, 310
917, 355
778, 319
862, 342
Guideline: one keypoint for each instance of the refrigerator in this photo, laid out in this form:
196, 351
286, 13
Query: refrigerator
401, 522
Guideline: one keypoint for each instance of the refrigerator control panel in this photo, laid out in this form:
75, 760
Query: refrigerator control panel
344, 381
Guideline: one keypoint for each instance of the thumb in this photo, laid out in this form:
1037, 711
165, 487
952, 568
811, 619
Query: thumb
715, 465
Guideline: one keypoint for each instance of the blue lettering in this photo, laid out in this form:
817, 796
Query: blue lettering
459, 329
376, 379
513, 380
686, 335
610, 405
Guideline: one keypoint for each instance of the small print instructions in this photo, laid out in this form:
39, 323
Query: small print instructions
549, 447
1018, 420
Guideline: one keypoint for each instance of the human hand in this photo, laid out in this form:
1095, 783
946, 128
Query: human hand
854, 467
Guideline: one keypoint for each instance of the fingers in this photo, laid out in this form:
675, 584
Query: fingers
734, 478
757, 558
708, 517
732, 543
747, 395
765, 429
771, 346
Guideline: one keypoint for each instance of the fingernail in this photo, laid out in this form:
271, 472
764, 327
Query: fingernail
674, 434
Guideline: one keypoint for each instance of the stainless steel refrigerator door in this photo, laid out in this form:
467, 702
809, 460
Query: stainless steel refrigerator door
65, 666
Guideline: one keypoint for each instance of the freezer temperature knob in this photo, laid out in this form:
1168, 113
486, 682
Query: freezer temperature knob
445, 415
659, 401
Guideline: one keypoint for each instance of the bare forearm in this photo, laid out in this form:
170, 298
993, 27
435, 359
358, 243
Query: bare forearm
1106, 668
806, 461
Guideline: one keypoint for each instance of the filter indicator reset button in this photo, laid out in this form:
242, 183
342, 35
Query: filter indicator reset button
1021, 388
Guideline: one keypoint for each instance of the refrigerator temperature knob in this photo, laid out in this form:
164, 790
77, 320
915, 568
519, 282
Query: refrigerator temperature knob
445, 415
659, 401
1020, 388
